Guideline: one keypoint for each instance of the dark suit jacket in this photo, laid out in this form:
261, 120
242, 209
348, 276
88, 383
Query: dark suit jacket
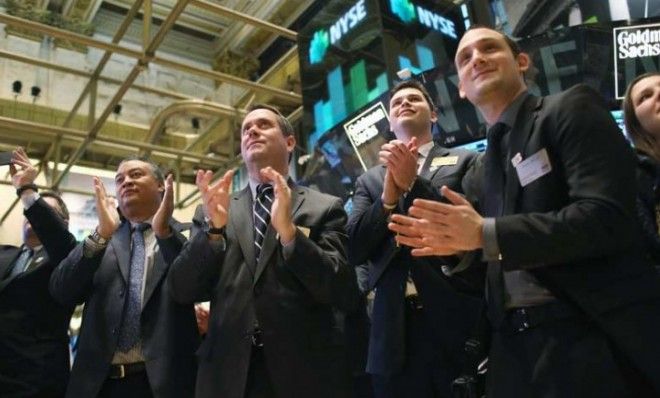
648, 197
292, 299
575, 227
169, 330
450, 302
34, 344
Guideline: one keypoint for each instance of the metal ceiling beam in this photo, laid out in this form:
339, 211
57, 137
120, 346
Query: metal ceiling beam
226, 78
8, 126
248, 19
217, 76
65, 69
198, 107
64, 34
135, 72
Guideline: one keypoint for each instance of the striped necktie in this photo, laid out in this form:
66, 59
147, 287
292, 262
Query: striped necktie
262, 205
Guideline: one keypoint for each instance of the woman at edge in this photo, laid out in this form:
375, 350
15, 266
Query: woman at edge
641, 108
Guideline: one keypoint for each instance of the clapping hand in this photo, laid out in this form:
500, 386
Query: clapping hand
215, 197
106, 210
280, 212
161, 220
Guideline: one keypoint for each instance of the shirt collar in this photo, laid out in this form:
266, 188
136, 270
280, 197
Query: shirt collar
253, 184
510, 114
424, 150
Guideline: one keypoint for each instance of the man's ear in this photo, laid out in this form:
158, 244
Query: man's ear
290, 142
523, 62
434, 116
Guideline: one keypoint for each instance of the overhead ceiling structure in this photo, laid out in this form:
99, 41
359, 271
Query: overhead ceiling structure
165, 78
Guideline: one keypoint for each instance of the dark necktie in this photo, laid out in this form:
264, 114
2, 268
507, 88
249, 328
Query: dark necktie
262, 205
129, 333
493, 207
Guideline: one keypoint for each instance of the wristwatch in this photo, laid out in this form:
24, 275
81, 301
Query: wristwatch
98, 239
212, 230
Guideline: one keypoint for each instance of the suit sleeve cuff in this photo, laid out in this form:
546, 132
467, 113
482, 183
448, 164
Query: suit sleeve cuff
287, 250
491, 250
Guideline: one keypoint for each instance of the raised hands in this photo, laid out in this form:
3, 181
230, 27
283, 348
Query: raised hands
106, 210
280, 212
21, 170
435, 228
401, 162
161, 220
215, 197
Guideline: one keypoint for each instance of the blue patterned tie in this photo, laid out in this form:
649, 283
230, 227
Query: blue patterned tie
129, 333
262, 206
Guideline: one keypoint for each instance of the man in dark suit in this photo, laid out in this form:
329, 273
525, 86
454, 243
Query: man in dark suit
574, 310
135, 341
421, 315
34, 349
272, 261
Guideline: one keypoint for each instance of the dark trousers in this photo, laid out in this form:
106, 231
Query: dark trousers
427, 373
258, 384
563, 358
135, 385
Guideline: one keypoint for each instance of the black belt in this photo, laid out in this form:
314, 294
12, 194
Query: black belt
121, 371
521, 319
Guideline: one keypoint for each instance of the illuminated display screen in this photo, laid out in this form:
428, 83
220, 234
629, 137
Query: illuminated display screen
351, 50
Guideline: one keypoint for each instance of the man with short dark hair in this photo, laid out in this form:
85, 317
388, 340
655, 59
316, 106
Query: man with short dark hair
135, 341
272, 261
34, 349
422, 315
574, 310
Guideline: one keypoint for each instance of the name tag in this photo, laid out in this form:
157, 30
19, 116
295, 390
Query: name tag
444, 161
534, 167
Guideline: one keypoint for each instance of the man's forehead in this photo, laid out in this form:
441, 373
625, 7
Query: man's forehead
129, 165
477, 35
260, 114
407, 91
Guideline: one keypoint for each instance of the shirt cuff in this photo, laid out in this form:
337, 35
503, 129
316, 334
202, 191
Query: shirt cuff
91, 248
29, 200
491, 250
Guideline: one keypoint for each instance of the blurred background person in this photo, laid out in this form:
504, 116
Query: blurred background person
641, 108
34, 350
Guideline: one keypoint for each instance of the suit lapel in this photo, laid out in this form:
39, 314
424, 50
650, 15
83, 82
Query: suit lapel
7, 259
121, 243
271, 241
159, 269
436, 151
240, 216
518, 139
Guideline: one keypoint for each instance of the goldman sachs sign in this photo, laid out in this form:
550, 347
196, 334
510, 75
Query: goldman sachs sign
636, 51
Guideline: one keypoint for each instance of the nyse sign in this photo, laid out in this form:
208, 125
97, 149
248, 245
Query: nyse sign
636, 51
